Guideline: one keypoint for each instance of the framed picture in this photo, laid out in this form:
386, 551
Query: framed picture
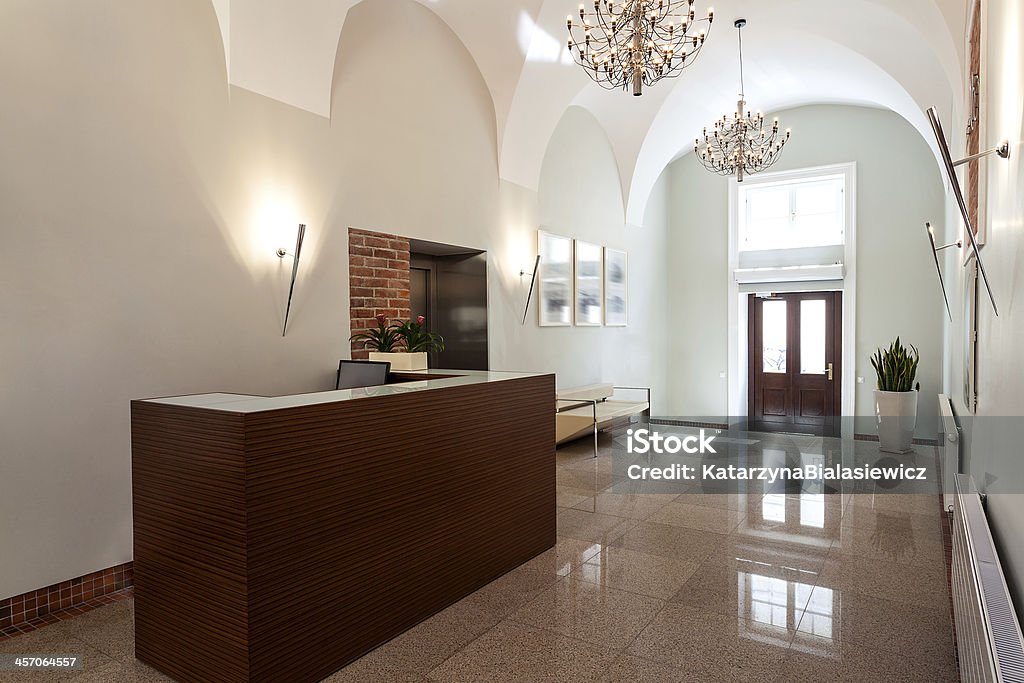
554, 286
616, 292
589, 284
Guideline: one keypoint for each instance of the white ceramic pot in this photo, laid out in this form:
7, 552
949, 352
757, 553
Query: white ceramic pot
402, 361
897, 417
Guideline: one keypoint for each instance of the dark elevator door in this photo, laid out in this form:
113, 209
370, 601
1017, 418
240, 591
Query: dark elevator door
451, 291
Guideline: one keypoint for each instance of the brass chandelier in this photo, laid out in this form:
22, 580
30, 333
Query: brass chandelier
740, 145
635, 43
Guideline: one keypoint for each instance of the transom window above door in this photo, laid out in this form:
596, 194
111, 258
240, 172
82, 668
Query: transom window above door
792, 213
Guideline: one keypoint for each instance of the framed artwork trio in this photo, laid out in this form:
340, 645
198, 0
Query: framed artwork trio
581, 283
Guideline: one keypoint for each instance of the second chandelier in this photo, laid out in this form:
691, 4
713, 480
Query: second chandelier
740, 144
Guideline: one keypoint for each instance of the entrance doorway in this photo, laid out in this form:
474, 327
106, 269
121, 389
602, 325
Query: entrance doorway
794, 362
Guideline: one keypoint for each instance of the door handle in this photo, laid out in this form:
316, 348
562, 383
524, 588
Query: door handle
828, 372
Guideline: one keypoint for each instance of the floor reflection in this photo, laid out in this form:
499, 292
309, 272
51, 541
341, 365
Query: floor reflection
810, 506
772, 610
786, 580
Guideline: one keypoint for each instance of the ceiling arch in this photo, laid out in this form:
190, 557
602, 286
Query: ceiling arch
286, 50
903, 55
899, 56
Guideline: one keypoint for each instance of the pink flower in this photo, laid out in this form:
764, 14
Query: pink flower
382, 319
420, 319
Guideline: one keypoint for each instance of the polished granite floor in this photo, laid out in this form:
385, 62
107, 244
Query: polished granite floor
684, 586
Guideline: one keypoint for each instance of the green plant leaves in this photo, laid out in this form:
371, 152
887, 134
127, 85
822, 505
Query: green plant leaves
382, 338
896, 367
390, 337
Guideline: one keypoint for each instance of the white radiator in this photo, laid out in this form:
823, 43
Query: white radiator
988, 637
949, 449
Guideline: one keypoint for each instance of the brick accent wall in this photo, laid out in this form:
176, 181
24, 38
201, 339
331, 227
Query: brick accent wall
378, 275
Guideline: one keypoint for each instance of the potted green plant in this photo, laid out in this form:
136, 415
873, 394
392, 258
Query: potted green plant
896, 396
404, 344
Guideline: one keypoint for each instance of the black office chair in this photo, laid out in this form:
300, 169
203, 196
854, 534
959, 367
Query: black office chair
353, 374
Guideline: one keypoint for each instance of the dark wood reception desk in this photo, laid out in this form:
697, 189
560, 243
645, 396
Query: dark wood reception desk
278, 539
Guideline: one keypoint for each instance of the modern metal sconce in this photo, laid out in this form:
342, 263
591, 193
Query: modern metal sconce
935, 253
281, 253
1003, 151
533, 282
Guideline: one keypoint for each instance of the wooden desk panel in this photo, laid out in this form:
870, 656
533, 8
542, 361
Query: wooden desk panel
361, 518
188, 496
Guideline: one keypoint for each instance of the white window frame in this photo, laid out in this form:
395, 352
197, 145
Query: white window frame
737, 374
783, 180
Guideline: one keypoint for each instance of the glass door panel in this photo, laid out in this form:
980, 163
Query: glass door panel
812, 337
774, 336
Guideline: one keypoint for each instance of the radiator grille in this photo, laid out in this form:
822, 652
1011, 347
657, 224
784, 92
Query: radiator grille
989, 642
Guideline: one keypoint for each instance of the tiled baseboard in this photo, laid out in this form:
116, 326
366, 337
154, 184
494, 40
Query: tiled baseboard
21, 610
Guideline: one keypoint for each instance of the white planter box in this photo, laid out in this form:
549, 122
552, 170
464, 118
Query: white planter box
402, 361
897, 417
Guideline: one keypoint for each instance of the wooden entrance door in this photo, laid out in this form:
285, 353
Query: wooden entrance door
795, 362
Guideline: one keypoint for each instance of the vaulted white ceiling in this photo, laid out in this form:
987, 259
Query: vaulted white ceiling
903, 55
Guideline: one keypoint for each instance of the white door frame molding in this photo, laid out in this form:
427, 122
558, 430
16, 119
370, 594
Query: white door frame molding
737, 325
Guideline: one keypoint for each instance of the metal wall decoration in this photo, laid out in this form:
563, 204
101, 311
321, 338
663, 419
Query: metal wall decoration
935, 254
281, 253
1003, 150
533, 284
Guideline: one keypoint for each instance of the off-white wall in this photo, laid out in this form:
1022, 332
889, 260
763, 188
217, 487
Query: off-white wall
993, 450
580, 197
898, 189
141, 201
698, 248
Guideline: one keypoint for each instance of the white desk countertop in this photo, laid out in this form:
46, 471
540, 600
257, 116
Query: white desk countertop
240, 403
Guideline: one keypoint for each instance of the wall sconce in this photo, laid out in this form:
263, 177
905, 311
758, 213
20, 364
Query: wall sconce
281, 253
533, 282
1003, 151
935, 253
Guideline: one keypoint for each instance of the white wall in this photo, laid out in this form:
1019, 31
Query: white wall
994, 452
898, 189
698, 248
580, 197
141, 201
